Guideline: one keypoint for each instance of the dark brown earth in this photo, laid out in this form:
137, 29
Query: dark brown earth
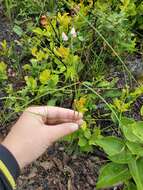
55, 170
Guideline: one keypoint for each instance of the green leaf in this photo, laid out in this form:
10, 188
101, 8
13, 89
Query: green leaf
103, 84
138, 130
112, 174
27, 67
82, 141
71, 73
95, 135
38, 31
135, 148
81, 38
127, 121
18, 30
114, 117
111, 145
142, 111
87, 133
3, 67
31, 82
128, 132
122, 158
136, 169
130, 186
86, 148
112, 94
55, 79
126, 126
45, 76
52, 102
3, 72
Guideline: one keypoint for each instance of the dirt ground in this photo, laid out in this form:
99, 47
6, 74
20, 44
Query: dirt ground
56, 170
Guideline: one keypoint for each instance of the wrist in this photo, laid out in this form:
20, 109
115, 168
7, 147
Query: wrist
12, 148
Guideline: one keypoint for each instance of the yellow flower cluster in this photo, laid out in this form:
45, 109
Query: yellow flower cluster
40, 55
63, 52
64, 20
80, 104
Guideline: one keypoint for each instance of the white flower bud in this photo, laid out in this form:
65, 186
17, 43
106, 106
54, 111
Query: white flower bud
64, 37
73, 33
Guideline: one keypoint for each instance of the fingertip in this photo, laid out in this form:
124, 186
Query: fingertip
80, 122
74, 127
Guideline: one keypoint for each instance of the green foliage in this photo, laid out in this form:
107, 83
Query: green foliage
124, 152
112, 174
18, 30
142, 111
127, 98
26, 8
66, 60
114, 27
135, 168
9, 4
3, 71
111, 145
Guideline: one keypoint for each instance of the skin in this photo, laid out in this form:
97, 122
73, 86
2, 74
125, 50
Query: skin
37, 129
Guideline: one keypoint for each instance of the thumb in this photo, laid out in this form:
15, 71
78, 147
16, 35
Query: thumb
56, 132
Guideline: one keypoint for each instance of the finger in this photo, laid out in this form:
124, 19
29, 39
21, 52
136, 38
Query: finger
61, 130
57, 114
60, 121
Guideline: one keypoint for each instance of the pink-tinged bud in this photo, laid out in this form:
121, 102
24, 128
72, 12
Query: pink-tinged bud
64, 37
73, 33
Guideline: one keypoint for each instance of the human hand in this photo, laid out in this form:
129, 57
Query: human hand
37, 129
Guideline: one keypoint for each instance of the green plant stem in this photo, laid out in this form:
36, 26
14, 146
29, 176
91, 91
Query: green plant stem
38, 97
91, 89
8, 5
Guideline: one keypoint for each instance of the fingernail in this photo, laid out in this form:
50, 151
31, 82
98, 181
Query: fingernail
80, 122
74, 127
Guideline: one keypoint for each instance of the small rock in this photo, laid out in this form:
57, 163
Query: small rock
90, 181
61, 148
47, 165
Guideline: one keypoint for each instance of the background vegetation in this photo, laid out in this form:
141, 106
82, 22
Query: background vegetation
85, 55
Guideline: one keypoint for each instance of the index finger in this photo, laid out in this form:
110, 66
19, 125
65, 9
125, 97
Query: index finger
57, 114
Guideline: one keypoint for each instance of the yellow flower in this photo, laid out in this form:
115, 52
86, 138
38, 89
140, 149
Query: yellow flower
40, 55
121, 106
80, 104
64, 19
90, 3
4, 45
34, 51
31, 82
45, 76
63, 52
